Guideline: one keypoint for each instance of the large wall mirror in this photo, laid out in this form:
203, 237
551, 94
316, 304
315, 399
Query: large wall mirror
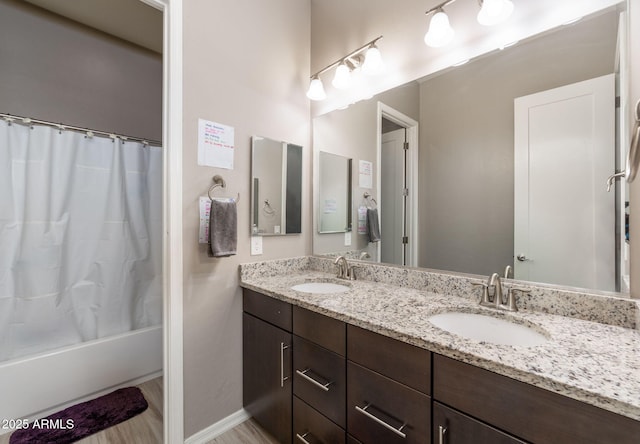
276, 187
465, 192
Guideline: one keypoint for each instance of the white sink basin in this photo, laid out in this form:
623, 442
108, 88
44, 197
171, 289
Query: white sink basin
487, 329
320, 288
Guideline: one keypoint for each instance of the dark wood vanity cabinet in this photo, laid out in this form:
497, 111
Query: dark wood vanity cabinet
453, 427
267, 383
531, 413
309, 378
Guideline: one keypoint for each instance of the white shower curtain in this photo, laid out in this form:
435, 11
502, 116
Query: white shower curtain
80, 238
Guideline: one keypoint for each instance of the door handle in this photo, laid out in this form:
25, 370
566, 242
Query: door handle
283, 378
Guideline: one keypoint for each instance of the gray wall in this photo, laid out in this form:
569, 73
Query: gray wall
466, 142
246, 64
54, 69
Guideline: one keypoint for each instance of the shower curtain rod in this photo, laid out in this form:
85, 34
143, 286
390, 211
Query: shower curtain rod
90, 132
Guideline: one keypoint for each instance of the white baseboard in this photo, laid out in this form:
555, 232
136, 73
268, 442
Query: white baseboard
217, 429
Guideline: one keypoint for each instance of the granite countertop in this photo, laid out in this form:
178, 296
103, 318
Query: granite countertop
589, 361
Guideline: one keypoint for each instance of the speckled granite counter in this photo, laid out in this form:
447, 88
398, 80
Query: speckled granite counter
593, 362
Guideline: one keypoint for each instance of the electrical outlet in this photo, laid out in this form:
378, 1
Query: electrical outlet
347, 239
256, 245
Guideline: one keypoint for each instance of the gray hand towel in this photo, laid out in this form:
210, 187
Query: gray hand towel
223, 228
373, 226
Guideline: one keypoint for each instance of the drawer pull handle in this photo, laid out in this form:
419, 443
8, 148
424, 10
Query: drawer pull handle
398, 431
283, 378
320, 385
302, 438
442, 431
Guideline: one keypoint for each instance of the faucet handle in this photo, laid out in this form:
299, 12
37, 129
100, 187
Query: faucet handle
485, 292
511, 297
351, 274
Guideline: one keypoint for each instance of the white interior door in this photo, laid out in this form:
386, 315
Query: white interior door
392, 183
564, 217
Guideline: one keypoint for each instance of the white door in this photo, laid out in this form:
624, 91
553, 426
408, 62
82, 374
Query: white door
392, 183
564, 217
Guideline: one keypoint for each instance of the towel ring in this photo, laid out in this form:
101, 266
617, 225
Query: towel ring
218, 181
368, 197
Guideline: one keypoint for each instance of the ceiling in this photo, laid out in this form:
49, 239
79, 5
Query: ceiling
130, 20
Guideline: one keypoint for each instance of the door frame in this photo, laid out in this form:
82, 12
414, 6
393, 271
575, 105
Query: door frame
411, 126
172, 287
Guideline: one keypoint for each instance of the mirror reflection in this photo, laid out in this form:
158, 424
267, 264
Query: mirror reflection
464, 184
334, 198
276, 187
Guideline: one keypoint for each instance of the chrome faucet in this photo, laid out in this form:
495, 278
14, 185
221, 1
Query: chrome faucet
345, 271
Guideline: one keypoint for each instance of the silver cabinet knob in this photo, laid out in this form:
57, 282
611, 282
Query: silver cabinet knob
522, 257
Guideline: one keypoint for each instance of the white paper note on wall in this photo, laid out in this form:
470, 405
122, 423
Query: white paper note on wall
215, 144
365, 170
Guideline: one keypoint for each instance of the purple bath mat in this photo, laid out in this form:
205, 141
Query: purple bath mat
84, 419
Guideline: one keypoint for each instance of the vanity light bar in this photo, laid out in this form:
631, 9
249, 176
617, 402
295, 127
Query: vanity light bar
348, 56
346, 64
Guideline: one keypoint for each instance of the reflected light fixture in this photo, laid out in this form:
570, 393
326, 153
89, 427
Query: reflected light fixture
493, 12
346, 68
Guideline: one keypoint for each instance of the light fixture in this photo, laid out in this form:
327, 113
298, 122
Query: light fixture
346, 69
372, 61
440, 32
316, 89
342, 77
493, 12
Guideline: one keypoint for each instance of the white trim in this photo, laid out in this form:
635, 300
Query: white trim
173, 412
412, 175
217, 429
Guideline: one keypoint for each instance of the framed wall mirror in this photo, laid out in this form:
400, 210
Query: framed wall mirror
334, 193
276, 187
467, 186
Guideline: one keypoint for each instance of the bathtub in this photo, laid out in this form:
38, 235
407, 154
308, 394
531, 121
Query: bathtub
42, 384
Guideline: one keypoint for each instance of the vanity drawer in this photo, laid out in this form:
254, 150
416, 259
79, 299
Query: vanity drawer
532, 413
398, 360
458, 428
312, 427
377, 404
272, 310
319, 379
325, 331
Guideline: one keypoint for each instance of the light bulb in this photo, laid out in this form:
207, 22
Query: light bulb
493, 12
440, 32
372, 61
316, 90
342, 78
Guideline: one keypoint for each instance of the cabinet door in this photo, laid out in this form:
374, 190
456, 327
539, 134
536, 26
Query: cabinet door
381, 410
452, 427
267, 376
319, 378
311, 427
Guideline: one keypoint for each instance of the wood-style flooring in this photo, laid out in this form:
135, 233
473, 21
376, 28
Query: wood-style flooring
249, 432
145, 428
